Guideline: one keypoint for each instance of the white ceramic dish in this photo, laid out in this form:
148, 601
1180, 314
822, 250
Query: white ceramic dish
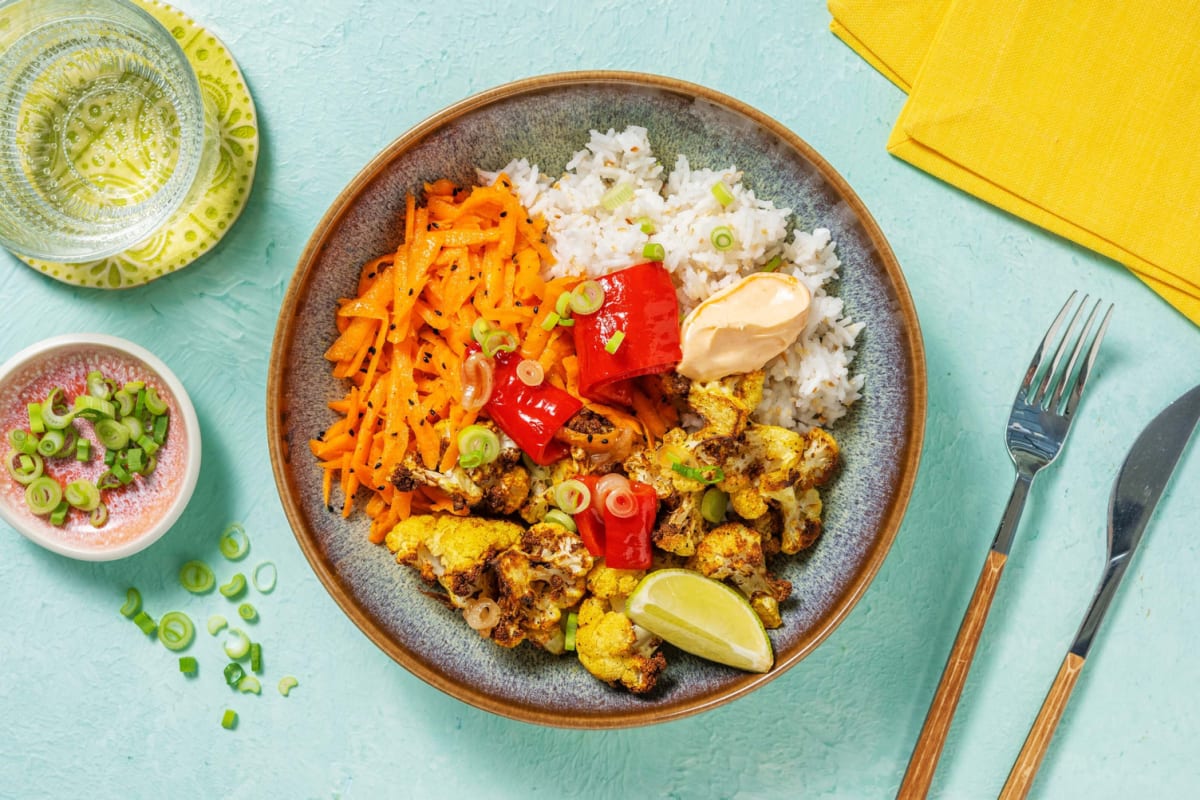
139, 514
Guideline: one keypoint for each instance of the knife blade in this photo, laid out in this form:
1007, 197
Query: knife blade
1140, 484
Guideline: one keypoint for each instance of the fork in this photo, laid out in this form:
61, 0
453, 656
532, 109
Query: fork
1038, 424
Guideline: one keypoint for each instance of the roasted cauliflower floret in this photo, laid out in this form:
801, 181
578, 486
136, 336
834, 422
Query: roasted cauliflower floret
542, 574
820, 459
615, 650
733, 552
800, 517
610, 583
725, 405
498, 487
450, 550
682, 527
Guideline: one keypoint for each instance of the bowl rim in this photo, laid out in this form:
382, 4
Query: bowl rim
39, 350
908, 459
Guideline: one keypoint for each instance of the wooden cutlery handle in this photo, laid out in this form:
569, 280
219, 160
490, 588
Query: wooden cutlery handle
923, 763
1025, 768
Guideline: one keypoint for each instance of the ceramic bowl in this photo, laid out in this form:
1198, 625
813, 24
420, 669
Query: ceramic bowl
138, 514
546, 119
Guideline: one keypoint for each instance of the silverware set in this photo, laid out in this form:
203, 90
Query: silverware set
1041, 417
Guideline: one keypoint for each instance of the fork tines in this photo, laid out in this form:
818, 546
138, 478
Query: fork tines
1050, 380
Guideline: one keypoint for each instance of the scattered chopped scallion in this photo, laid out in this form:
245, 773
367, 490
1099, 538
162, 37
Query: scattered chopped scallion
55, 418
551, 320
97, 386
188, 665
234, 543
645, 224
266, 582
229, 719
51, 442
480, 329
175, 630
587, 297
286, 684
477, 445
99, 516
566, 322
197, 577
112, 434
773, 264
83, 494
235, 586
59, 515
572, 627
572, 496
562, 306
145, 622
36, 423
556, 516
24, 468
133, 603
238, 647
233, 674
249, 684
617, 196
653, 251
94, 408
722, 193
498, 340
83, 449
42, 495
154, 404
614, 342
705, 474
722, 237
216, 624
247, 612
255, 657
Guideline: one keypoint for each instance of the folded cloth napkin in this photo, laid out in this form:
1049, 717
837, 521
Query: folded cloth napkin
1079, 116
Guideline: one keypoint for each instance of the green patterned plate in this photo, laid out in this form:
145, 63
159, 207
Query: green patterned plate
210, 211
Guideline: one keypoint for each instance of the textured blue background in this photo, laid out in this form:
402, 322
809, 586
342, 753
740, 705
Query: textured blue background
91, 709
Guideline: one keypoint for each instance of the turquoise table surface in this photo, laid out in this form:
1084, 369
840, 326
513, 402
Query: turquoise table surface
91, 708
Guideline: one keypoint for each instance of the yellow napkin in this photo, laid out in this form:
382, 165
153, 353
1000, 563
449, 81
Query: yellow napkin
1080, 116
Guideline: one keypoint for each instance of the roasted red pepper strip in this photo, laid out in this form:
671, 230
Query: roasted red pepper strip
531, 415
588, 522
627, 539
640, 303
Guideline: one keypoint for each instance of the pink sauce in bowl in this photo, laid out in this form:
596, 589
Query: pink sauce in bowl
138, 514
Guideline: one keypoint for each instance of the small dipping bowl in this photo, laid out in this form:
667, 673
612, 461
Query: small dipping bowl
139, 513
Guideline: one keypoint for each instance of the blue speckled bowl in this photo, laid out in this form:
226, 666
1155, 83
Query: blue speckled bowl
546, 119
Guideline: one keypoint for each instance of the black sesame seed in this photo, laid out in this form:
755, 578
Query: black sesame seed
503, 214
410, 292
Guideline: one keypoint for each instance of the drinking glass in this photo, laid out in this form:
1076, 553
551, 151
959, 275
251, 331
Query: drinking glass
102, 127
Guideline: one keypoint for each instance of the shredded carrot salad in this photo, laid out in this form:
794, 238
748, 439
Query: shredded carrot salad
466, 255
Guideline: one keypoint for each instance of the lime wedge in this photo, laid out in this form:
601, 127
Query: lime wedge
702, 616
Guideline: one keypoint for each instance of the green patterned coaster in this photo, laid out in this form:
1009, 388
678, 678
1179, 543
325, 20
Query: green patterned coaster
194, 229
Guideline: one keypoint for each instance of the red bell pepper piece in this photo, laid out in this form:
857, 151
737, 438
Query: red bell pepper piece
627, 539
531, 415
589, 523
640, 303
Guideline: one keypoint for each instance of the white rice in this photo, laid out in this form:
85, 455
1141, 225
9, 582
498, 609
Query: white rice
809, 384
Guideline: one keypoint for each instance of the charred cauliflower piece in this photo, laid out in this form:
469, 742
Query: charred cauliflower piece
612, 584
800, 512
542, 574
615, 650
451, 551
726, 404
733, 552
682, 527
542, 481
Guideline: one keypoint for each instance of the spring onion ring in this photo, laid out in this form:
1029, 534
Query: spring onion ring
645, 225
229, 719
42, 495
234, 542
24, 469
248, 612
175, 630
108, 480
99, 516
145, 622
773, 264
216, 624
82, 494
498, 340
22, 441
721, 237
587, 297
286, 684
197, 577
238, 647
480, 328
36, 423
55, 413
552, 319
235, 586
477, 445
572, 496
112, 434
556, 516
562, 306
94, 408
124, 402
83, 449
134, 427
154, 404
530, 372
234, 673
133, 603
713, 504
51, 442
249, 684
477, 373
722, 193
617, 196
266, 583
98, 386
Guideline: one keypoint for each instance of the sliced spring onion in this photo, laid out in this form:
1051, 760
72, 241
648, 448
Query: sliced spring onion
150, 465
134, 427
188, 665
238, 647
120, 472
161, 424
249, 684
145, 622
24, 469
572, 628
134, 459
235, 586
477, 378
133, 603
477, 445
234, 672
155, 404
562, 306
108, 479
480, 328
51, 442
566, 322
712, 505
94, 407
55, 413
530, 372
614, 342
722, 193
229, 719
587, 297
617, 196
83, 449
552, 319
59, 515
36, 423
234, 543
721, 237
22, 441
705, 474
112, 434
572, 496
82, 494
43, 494
556, 516
286, 684
255, 657
248, 612
672, 454
216, 624
147, 445
133, 387
645, 224
498, 340
175, 630
773, 264
124, 401
99, 516
197, 577
266, 582
653, 251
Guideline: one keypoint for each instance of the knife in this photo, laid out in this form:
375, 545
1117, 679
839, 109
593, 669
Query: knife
1136, 492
